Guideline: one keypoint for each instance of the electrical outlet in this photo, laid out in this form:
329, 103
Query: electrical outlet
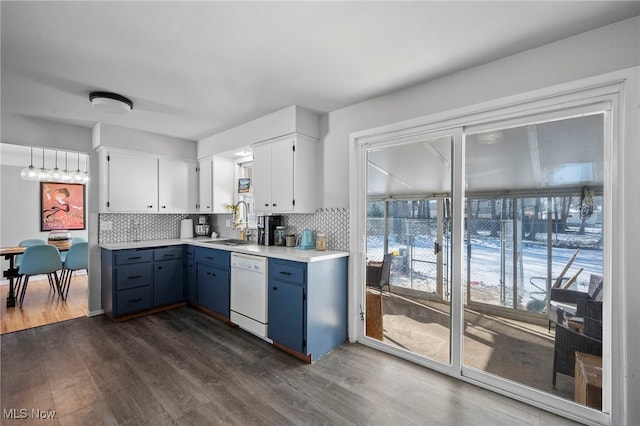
227, 223
106, 225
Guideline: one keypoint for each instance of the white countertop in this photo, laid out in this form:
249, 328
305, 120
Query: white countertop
278, 252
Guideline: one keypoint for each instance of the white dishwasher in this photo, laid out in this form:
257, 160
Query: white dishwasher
249, 297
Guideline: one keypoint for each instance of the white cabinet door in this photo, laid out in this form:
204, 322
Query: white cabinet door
205, 201
262, 178
223, 185
177, 186
216, 185
132, 183
284, 178
282, 182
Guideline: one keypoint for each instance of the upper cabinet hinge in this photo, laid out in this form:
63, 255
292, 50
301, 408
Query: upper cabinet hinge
294, 147
108, 158
197, 169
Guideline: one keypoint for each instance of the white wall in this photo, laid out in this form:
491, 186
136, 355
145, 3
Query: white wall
29, 131
138, 140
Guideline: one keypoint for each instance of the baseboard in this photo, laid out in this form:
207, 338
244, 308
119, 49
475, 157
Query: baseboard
95, 313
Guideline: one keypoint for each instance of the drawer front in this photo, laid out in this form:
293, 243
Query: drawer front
134, 300
213, 257
287, 271
168, 253
136, 275
125, 257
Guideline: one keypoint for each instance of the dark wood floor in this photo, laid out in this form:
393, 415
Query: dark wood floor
182, 367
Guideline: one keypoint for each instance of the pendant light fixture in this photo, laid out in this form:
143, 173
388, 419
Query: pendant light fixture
66, 174
42, 173
54, 175
30, 173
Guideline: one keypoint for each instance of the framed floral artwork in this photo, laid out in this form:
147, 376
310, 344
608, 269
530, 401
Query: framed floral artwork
62, 206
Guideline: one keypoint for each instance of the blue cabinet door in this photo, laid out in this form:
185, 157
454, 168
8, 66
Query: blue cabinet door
213, 288
168, 284
286, 314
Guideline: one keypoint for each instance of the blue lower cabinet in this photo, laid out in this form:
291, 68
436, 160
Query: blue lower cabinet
135, 280
213, 285
308, 305
168, 282
286, 315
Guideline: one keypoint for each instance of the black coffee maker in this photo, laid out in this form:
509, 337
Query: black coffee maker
267, 227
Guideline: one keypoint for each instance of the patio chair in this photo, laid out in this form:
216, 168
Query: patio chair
378, 273
566, 343
564, 303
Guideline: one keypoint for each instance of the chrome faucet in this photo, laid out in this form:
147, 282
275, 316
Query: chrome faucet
245, 218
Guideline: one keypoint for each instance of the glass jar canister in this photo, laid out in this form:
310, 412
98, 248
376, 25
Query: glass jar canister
280, 236
321, 241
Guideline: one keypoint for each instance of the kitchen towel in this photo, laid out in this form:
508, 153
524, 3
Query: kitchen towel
186, 228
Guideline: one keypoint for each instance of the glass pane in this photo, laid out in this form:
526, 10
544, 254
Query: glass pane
534, 253
408, 247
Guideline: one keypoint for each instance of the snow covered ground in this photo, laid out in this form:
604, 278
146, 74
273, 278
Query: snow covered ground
486, 265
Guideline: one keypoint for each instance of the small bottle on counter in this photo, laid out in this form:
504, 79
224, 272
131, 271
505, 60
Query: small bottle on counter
321, 241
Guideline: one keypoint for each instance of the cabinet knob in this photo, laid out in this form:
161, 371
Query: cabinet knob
266, 205
275, 288
149, 206
164, 207
159, 267
275, 205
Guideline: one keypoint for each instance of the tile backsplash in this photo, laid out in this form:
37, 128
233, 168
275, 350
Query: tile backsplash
140, 227
131, 227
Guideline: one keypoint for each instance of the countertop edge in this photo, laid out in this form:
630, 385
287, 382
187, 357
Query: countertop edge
276, 252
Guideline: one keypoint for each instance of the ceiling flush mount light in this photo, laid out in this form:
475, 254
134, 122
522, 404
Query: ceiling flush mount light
110, 102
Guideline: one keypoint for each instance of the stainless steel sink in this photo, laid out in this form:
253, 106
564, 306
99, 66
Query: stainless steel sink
229, 242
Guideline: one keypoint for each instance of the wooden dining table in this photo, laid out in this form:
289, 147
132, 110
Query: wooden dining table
11, 273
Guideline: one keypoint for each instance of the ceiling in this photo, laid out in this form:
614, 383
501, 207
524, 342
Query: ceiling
564, 153
193, 69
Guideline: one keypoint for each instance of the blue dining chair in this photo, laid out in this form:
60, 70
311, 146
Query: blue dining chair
40, 260
25, 243
76, 260
74, 240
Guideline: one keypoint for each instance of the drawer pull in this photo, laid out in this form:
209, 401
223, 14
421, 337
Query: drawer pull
211, 274
134, 277
275, 288
285, 273
139, 299
134, 257
210, 257
169, 255
159, 267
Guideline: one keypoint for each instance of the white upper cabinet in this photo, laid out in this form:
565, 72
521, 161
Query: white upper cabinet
216, 185
132, 182
284, 175
177, 185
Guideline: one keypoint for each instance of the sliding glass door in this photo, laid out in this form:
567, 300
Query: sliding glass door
408, 247
484, 252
